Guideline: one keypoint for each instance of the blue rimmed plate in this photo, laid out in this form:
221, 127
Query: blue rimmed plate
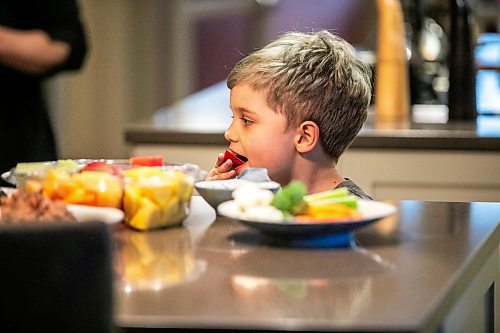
313, 233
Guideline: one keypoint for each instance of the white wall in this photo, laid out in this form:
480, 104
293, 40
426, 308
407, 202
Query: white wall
117, 84
142, 57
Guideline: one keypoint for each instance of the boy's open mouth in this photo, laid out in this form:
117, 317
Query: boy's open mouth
237, 159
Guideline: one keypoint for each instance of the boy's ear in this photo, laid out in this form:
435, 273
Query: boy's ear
307, 136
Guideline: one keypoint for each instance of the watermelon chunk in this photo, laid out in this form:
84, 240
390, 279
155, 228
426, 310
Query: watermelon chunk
152, 160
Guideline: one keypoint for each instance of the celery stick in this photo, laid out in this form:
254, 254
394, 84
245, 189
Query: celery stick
350, 201
336, 193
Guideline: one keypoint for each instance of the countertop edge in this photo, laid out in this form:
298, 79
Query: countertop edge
363, 141
483, 254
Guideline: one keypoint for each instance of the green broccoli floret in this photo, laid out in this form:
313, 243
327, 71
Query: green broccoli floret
290, 199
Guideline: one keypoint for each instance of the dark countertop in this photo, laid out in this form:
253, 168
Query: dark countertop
405, 274
202, 118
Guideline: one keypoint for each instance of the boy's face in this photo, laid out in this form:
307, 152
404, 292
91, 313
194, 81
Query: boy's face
260, 134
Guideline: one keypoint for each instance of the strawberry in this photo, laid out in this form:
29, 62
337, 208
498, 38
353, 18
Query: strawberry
235, 157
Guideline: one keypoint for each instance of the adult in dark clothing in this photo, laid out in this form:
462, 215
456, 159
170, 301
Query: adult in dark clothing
37, 40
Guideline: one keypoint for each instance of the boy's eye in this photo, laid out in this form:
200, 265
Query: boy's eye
246, 122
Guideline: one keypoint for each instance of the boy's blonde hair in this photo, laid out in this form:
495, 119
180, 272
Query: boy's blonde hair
313, 77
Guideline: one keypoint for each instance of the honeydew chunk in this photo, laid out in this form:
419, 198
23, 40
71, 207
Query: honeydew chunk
33, 167
67, 165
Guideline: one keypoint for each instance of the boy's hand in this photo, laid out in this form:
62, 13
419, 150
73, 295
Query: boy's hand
222, 170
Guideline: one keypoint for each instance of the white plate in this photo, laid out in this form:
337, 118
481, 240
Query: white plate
90, 213
7, 176
371, 211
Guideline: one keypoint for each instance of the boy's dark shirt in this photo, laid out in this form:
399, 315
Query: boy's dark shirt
354, 189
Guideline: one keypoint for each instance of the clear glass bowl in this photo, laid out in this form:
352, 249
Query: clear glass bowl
151, 197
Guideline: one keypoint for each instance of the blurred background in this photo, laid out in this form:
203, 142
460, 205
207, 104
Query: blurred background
145, 55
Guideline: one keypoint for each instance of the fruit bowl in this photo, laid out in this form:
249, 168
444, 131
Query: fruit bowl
151, 196
156, 197
18, 175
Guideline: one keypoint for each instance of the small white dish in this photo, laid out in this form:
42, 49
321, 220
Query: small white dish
107, 215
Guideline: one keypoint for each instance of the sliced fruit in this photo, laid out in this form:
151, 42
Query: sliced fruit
94, 188
32, 186
151, 160
58, 185
102, 166
147, 216
131, 199
153, 193
107, 188
67, 165
33, 167
138, 173
235, 157
81, 197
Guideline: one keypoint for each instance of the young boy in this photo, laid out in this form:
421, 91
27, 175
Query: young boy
297, 104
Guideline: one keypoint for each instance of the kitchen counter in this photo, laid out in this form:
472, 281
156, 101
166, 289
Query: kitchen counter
440, 160
431, 267
202, 118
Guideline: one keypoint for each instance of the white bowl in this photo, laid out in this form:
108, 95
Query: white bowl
216, 192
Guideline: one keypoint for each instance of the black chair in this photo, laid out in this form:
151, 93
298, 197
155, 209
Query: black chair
56, 278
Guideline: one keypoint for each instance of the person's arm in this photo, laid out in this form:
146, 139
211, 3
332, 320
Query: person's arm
31, 51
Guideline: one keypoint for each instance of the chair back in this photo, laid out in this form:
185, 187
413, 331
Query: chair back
56, 278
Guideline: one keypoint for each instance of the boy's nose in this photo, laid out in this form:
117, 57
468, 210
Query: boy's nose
229, 133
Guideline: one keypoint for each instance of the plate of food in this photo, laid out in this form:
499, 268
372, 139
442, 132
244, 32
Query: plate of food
371, 211
20, 207
291, 214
